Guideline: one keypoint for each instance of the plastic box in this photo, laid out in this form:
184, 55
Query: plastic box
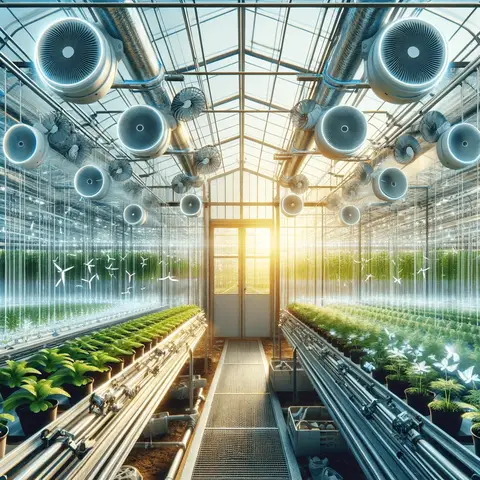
281, 377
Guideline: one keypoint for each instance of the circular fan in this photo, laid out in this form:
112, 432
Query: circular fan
350, 192
132, 187
299, 184
195, 182
120, 170
432, 125
188, 104
305, 114
364, 172
208, 160
80, 151
406, 149
181, 184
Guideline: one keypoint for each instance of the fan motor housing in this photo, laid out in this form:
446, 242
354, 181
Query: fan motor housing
77, 60
349, 215
291, 205
134, 214
340, 132
92, 182
25, 146
144, 131
389, 184
406, 60
459, 146
191, 205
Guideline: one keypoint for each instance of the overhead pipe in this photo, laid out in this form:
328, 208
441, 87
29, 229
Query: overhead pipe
358, 25
142, 63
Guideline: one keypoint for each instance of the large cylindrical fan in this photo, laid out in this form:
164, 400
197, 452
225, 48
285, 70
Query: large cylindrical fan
191, 205
76, 60
459, 147
188, 104
349, 215
25, 146
350, 191
389, 184
144, 131
433, 125
406, 149
181, 184
208, 160
134, 215
92, 182
407, 59
363, 173
340, 132
291, 205
299, 184
120, 170
305, 114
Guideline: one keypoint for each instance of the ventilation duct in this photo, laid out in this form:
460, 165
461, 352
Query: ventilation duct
77, 60
92, 182
144, 131
134, 215
406, 60
406, 149
459, 146
340, 132
25, 146
349, 215
389, 184
433, 125
181, 184
191, 205
188, 104
208, 160
291, 205
305, 114
120, 170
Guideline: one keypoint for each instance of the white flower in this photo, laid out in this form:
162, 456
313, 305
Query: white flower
332, 332
421, 368
432, 357
369, 366
445, 367
418, 353
468, 376
451, 353
396, 353
370, 351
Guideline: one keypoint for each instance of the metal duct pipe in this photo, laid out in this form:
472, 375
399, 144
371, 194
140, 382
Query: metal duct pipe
344, 61
142, 63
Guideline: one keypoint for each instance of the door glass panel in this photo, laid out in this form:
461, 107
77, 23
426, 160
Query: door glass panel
257, 261
226, 242
226, 276
257, 242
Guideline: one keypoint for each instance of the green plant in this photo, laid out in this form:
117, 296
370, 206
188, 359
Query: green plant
100, 360
49, 360
17, 373
420, 375
76, 375
36, 395
449, 389
5, 418
473, 398
398, 364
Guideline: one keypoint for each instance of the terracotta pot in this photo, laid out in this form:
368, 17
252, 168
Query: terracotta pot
99, 378
128, 359
356, 355
449, 422
476, 442
33, 422
147, 346
139, 352
6, 391
397, 387
116, 367
78, 393
380, 375
3, 440
419, 401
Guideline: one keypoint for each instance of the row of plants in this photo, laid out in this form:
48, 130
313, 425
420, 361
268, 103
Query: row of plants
33, 387
435, 377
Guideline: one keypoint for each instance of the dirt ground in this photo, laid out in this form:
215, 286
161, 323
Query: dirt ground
154, 463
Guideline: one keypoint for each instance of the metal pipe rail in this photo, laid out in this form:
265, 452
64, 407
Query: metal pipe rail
93, 438
387, 437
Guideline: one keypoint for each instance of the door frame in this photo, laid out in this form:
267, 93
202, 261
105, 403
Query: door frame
239, 224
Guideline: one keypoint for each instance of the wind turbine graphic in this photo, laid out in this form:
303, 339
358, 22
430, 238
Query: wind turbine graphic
90, 281
168, 277
423, 271
62, 274
89, 265
130, 275
144, 261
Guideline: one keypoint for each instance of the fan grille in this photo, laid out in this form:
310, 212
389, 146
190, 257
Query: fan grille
305, 113
69, 51
344, 128
414, 52
464, 142
21, 144
406, 149
208, 160
188, 104
120, 170
432, 125
299, 184
180, 184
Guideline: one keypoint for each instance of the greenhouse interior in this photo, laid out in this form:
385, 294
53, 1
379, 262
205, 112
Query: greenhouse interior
239, 240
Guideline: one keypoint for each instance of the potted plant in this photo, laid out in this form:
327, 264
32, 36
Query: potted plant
102, 361
4, 419
14, 375
34, 404
75, 380
129, 346
418, 395
49, 360
397, 380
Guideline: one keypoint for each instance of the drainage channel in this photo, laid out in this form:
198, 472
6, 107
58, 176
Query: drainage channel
241, 434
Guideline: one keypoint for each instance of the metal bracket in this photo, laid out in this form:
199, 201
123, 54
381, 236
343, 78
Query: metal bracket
407, 427
103, 405
80, 448
369, 410
130, 392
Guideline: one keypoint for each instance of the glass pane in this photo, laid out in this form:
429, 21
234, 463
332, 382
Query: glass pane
257, 242
257, 276
226, 242
226, 276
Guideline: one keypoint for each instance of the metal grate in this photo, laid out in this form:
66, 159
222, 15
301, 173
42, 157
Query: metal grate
241, 455
243, 352
241, 411
242, 379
